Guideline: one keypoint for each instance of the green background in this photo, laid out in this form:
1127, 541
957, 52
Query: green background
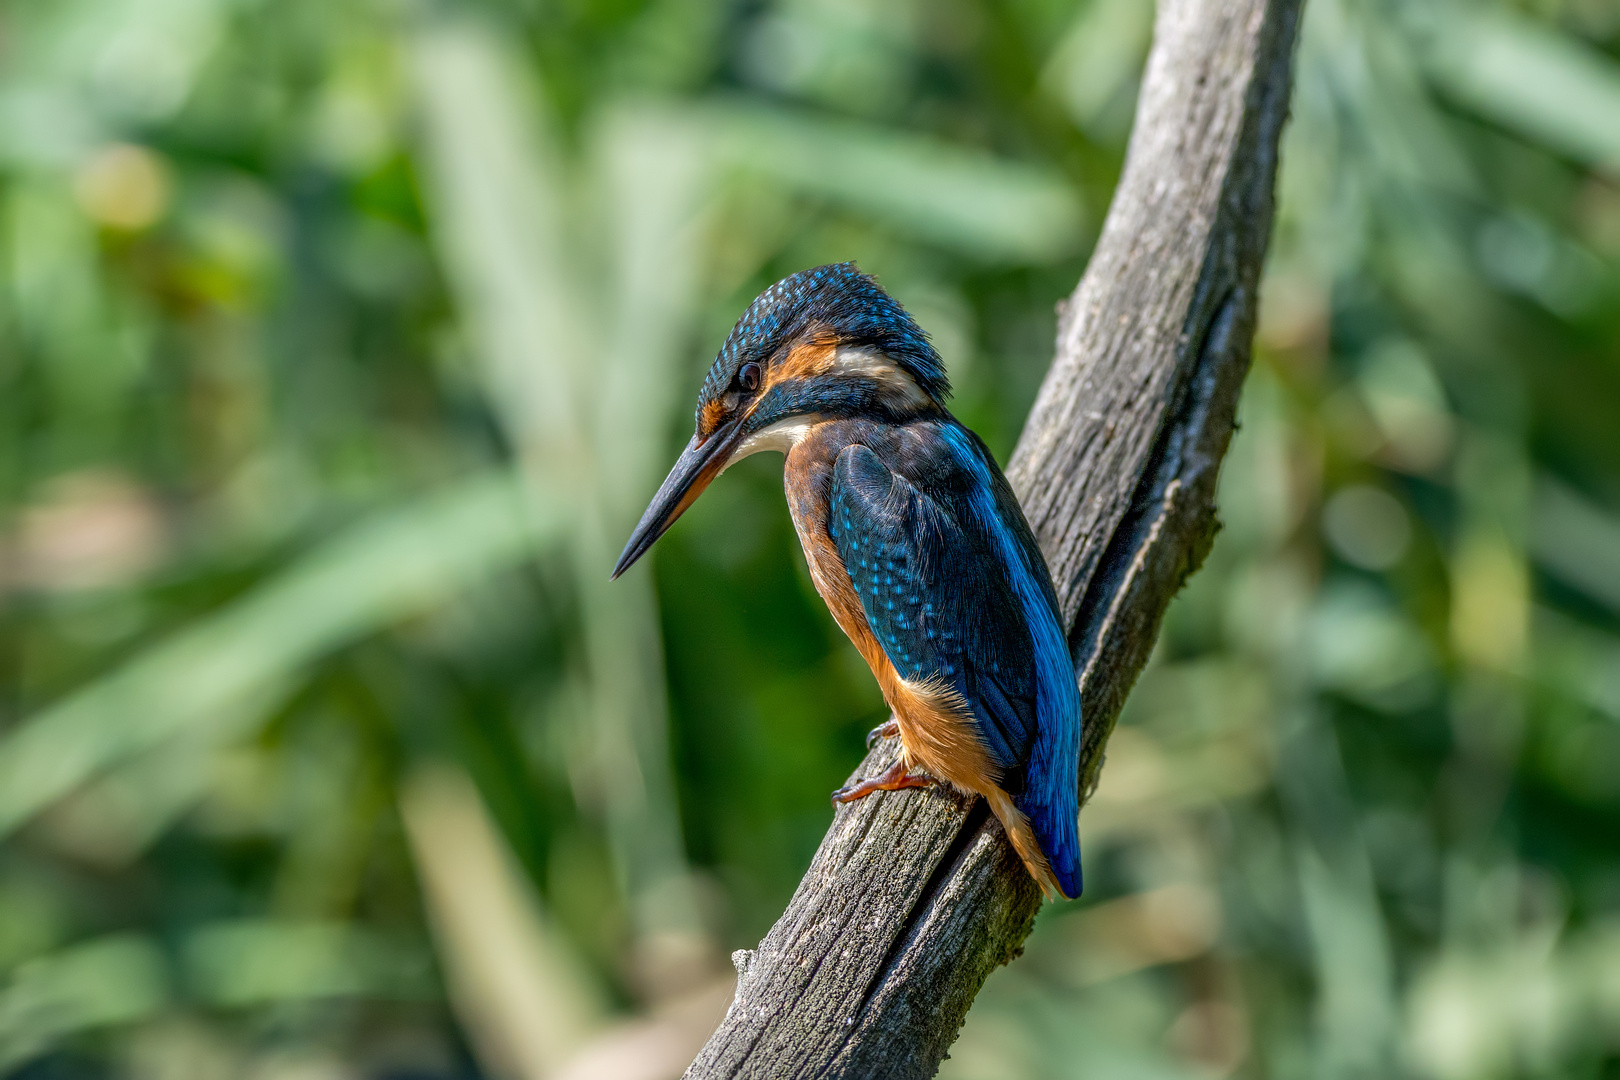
342, 342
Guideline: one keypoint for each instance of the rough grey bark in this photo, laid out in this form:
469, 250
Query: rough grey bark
915, 897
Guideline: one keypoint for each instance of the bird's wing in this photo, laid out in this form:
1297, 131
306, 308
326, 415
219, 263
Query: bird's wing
938, 599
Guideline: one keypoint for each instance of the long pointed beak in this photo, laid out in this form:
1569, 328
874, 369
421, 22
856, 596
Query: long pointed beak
699, 463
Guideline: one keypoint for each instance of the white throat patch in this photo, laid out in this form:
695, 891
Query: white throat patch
781, 436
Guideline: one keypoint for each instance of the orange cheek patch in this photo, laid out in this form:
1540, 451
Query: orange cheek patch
803, 361
709, 418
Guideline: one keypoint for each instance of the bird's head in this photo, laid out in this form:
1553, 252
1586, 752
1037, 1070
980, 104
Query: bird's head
819, 344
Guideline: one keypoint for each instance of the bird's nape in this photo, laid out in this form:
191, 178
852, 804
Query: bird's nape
701, 461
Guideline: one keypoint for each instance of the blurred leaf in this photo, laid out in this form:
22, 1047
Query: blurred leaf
1148, 782
1095, 69
224, 670
499, 213
654, 170
656, 1046
1526, 75
252, 961
1576, 542
112, 980
1360, 643
1581, 661
44, 127
578, 358
93, 68
517, 985
1532, 998
110, 819
968, 200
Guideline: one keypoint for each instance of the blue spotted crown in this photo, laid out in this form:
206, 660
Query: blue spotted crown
840, 298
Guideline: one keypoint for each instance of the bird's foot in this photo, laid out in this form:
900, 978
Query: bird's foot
893, 778
886, 730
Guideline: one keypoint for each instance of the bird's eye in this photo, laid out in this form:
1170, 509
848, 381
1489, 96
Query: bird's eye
748, 377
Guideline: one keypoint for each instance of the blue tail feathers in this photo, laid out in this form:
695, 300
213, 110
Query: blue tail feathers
1051, 792
1057, 828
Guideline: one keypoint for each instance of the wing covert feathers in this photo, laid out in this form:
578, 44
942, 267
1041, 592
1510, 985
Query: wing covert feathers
951, 598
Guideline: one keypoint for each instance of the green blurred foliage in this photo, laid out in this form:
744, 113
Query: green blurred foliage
340, 343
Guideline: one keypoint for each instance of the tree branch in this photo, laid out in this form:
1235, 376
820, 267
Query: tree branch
915, 897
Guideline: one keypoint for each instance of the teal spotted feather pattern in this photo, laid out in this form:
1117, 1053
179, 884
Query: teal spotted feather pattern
955, 590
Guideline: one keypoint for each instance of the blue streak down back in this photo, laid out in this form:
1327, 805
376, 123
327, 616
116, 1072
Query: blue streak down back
1051, 795
956, 594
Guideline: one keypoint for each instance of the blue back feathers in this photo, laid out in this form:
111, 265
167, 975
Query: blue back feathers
838, 299
954, 588
1052, 777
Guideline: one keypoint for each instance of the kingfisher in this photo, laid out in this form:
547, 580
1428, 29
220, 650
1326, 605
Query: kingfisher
916, 542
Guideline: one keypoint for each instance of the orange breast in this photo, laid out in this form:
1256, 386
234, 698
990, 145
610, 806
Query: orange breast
936, 727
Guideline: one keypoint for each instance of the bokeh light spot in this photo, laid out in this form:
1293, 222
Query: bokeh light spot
123, 186
1367, 527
